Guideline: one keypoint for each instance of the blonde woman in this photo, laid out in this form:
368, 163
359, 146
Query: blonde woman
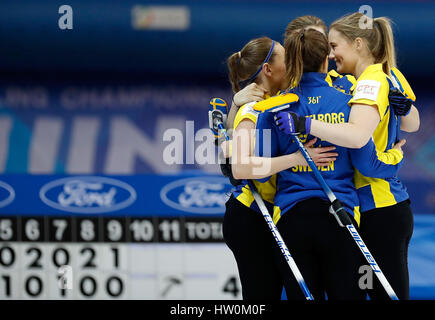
386, 216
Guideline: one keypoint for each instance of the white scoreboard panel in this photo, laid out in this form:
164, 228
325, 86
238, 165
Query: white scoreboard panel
68, 257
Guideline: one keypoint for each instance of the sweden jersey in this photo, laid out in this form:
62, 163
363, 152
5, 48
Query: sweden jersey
267, 189
345, 84
372, 88
371, 162
320, 101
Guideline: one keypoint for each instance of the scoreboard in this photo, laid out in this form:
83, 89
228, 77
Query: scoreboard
149, 249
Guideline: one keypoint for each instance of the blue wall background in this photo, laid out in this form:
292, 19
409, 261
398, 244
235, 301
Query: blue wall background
103, 38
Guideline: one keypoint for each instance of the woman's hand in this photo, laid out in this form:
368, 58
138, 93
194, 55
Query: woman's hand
399, 145
291, 123
321, 156
399, 103
252, 92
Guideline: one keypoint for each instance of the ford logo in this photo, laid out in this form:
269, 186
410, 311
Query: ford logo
7, 194
197, 195
87, 194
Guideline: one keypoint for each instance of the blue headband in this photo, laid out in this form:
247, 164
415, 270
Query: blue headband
261, 67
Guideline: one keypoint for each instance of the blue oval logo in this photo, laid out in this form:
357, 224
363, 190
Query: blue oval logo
197, 195
7, 194
87, 194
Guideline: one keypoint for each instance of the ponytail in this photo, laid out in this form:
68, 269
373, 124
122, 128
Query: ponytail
379, 39
233, 64
386, 53
294, 57
306, 51
244, 66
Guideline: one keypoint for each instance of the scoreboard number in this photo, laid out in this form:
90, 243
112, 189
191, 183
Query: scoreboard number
90, 254
87, 230
114, 257
34, 286
60, 257
32, 230
7, 256
6, 231
35, 254
6, 279
114, 286
142, 230
170, 230
60, 229
114, 230
60, 226
231, 287
88, 286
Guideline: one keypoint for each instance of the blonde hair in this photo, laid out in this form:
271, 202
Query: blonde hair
379, 39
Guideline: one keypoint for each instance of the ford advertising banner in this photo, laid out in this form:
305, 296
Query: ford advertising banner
138, 195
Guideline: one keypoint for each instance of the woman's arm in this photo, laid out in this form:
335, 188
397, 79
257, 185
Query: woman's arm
355, 133
401, 99
372, 163
247, 166
410, 122
252, 92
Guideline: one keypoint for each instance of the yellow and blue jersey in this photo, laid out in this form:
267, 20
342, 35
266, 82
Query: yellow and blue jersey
343, 83
267, 189
380, 163
321, 101
317, 99
371, 162
372, 88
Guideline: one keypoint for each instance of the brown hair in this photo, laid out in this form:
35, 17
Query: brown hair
306, 51
304, 22
379, 39
243, 64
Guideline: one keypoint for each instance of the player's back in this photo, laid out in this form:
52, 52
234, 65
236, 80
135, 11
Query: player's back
320, 101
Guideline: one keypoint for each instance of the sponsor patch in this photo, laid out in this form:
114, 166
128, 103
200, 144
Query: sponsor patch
367, 89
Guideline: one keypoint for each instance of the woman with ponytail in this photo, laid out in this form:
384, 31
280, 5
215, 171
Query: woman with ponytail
367, 52
329, 261
260, 62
